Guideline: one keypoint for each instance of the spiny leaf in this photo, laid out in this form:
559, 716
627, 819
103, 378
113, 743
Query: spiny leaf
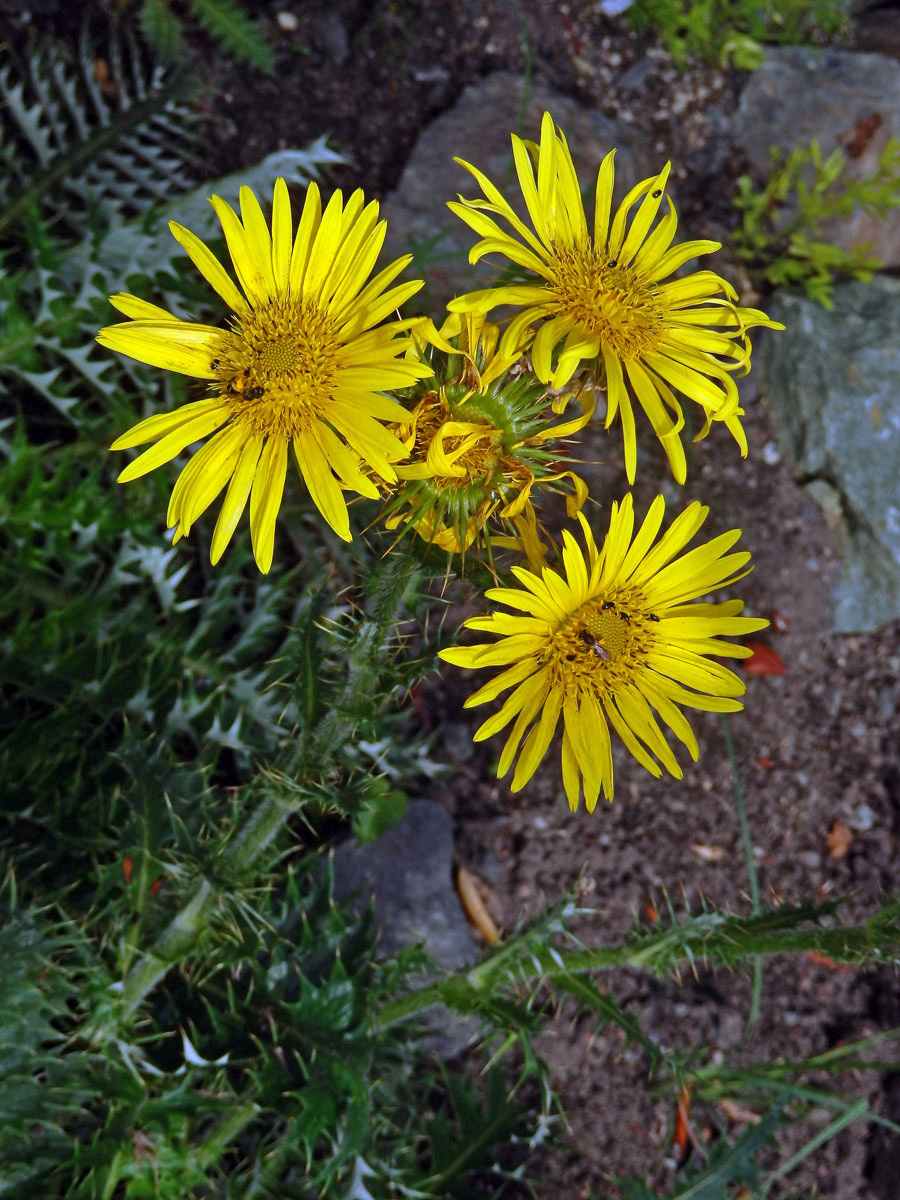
101, 153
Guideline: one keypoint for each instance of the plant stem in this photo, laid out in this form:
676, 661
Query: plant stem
859, 1109
738, 789
281, 798
716, 936
176, 939
211, 1149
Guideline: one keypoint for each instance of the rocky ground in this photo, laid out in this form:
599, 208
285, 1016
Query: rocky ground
401, 87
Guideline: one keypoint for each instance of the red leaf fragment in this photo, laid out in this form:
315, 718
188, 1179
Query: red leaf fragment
763, 661
155, 886
127, 867
822, 960
858, 137
838, 839
682, 1134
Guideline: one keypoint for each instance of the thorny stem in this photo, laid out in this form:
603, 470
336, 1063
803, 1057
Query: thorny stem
720, 936
280, 801
211, 1149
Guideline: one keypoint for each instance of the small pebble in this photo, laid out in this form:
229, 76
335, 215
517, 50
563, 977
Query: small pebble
771, 455
863, 819
287, 21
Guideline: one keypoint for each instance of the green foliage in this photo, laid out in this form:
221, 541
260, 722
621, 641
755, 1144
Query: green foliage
728, 1165
184, 1009
224, 20
46, 1082
734, 31
258, 1067
780, 236
82, 151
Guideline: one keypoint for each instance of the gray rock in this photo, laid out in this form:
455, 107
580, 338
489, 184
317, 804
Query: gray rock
407, 874
478, 129
801, 93
832, 385
330, 33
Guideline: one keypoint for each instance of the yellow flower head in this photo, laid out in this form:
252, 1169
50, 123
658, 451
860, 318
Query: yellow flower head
480, 439
614, 640
600, 301
303, 361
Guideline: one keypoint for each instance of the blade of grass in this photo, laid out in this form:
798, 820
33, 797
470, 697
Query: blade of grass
738, 790
831, 1130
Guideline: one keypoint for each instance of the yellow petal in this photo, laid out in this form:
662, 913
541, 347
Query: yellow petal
139, 310
260, 241
159, 425
281, 237
538, 741
644, 217
236, 497
306, 232
344, 462
246, 264
209, 267
323, 487
265, 500
217, 461
324, 246
182, 347
173, 443
603, 200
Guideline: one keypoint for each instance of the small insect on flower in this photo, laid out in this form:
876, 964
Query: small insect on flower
596, 647
619, 641
304, 362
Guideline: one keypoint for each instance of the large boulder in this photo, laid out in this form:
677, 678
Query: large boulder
407, 876
478, 129
841, 98
832, 385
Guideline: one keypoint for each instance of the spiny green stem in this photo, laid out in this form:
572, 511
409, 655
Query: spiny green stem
279, 802
173, 943
721, 937
211, 1149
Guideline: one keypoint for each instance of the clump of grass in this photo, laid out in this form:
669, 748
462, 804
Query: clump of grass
735, 31
780, 234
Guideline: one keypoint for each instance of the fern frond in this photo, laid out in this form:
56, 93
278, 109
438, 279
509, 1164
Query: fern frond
161, 28
227, 22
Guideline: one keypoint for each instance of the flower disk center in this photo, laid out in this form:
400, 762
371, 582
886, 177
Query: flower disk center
610, 301
278, 366
279, 357
608, 630
603, 645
